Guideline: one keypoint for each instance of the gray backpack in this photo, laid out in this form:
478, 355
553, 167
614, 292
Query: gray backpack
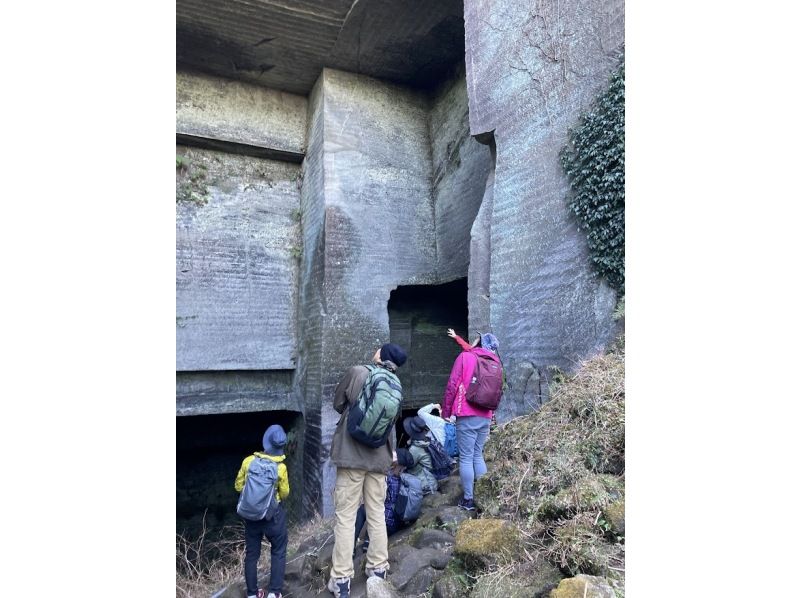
256, 501
408, 505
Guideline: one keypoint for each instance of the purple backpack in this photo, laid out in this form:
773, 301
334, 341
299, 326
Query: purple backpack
486, 386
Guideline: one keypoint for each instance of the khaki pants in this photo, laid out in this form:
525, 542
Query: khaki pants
351, 484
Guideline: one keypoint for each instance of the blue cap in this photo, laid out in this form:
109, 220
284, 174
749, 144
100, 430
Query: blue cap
274, 440
489, 341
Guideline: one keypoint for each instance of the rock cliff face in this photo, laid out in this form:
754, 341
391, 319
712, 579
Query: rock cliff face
532, 67
306, 225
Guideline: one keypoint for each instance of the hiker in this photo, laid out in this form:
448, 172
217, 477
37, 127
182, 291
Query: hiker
362, 449
418, 444
263, 482
435, 423
472, 421
394, 522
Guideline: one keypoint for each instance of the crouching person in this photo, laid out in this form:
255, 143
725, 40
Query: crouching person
263, 482
418, 447
394, 483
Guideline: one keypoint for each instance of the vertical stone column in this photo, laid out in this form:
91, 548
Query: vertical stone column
367, 228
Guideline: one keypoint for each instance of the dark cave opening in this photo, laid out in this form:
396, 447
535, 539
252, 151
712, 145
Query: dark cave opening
210, 450
419, 316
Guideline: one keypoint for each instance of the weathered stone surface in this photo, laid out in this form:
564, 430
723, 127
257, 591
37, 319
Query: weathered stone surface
450, 518
583, 586
433, 538
309, 373
236, 265
409, 567
480, 260
284, 45
227, 110
448, 495
379, 588
204, 393
460, 168
368, 227
528, 81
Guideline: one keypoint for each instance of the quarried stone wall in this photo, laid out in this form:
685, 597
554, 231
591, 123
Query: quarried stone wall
238, 243
532, 68
460, 167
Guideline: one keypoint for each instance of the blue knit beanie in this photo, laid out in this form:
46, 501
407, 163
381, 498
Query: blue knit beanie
274, 440
489, 341
393, 353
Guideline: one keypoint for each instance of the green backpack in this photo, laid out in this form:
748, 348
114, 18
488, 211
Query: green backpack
373, 415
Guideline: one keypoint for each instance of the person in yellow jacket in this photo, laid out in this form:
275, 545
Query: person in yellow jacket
273, 526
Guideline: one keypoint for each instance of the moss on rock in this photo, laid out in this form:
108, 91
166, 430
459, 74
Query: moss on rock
486, 538
614, 514
583, 586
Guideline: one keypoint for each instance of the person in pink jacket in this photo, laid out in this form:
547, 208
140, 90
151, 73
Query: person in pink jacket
472, 423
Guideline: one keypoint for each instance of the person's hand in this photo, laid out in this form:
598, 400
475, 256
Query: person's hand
451, 333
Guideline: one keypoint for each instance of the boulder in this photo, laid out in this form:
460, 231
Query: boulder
432, 538
484, 539
447, 587
583, 586
450, 492
300, 568
614, 514
450, 518
409, 567
379, 588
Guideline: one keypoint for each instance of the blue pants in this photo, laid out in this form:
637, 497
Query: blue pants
275, 532
361, 519
471, 434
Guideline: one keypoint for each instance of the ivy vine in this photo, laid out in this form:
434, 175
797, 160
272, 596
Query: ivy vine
594, 161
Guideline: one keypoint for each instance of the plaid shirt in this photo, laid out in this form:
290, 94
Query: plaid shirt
392, 490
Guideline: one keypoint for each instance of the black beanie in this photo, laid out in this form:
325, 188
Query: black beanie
393, 353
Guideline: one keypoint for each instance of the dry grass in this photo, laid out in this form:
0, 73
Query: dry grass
553, 472
215, 560
209, 561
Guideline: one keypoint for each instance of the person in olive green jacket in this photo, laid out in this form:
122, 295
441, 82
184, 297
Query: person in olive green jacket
360, 473
422, 468
273, 526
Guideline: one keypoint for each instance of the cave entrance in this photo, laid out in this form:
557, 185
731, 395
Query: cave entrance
210, 450
419, 316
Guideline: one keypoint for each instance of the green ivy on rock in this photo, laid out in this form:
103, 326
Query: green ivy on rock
594, 161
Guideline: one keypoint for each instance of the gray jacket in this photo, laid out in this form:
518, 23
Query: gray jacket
345, 450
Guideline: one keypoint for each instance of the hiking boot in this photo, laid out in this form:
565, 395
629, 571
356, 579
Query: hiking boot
258, 594
378, 573
274, 595
340, 587
467, 504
